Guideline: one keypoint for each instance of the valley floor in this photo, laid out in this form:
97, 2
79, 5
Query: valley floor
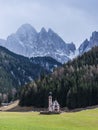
83, 120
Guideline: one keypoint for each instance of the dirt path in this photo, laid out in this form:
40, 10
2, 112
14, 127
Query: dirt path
14, 107
10, 106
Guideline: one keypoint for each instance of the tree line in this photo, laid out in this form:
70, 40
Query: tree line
74, 85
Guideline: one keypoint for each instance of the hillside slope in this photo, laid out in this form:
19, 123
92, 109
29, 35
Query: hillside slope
16, 70
73, 85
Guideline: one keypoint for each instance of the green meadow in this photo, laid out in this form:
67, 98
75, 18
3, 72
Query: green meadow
84, 120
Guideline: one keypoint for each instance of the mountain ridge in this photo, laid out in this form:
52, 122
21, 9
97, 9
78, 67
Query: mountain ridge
88, 44
30, 43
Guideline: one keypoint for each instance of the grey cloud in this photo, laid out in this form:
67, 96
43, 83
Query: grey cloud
73, 20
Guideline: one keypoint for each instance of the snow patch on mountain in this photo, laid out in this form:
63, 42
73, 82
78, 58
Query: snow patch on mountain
88, 44
30, 43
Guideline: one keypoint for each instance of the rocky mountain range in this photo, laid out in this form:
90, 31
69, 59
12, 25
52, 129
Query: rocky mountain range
88, 44
30, 43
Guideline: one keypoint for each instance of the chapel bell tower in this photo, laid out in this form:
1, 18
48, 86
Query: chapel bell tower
50, 102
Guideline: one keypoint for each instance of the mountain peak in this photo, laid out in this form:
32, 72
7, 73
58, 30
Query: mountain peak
71, 43
83, 46
95, 32
86, 40
94, 36
26, 28
43, 30
50, 31
27, 42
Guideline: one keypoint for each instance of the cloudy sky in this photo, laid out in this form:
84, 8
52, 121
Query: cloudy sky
73, 20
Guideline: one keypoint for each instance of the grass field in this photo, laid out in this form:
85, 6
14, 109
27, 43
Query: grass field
84, 120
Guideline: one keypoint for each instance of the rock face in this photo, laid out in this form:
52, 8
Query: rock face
83, 46
30, 43
88, 44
